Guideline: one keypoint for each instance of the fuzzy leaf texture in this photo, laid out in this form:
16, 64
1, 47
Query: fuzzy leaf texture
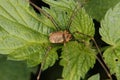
77, 59
110, 32
82, 23
61, 11
23, 33
98, 8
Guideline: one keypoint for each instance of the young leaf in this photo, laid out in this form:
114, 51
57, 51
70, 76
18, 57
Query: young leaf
110, 26
77, 59
61, 11
110, 32
50, 57
95, 77
82, 23
112, 58
98, 8
61, 4
23, 33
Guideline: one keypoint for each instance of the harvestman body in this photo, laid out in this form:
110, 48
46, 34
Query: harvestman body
55, 37
62, 36
58, 36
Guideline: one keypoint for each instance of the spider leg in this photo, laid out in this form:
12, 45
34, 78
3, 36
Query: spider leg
43, 62
92, 38
102, 63
46, 14
82, 40
73, 14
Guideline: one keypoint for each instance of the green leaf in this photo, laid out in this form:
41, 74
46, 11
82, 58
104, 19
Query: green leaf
12, 70
50, 58
21, 12
82, 23
61, 11
110, 26
77, 59
98, 8
24, 33
112, 59
61, 4
110, 32
95, 77
3, 34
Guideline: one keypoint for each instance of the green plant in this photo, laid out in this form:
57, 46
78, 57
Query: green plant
24, 36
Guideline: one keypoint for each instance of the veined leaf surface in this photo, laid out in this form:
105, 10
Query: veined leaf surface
112, 57
61, 11
23, 32
77, 59
83, 24
111, 26
24, 35
110, 32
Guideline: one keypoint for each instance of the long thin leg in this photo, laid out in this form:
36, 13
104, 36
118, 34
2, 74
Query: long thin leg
107, 72
78, 6
46, 14
42, 63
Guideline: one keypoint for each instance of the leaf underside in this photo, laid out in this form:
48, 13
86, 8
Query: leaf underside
23, 32
110, 32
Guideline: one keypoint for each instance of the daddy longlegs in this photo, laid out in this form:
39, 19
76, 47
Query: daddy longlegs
65, 36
